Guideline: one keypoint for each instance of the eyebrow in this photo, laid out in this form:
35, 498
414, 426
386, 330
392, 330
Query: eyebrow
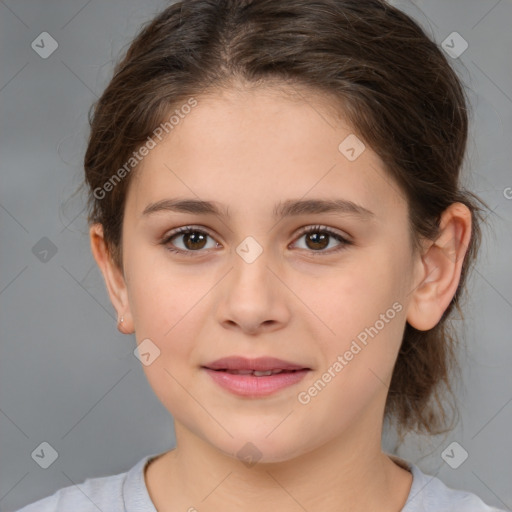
283, 209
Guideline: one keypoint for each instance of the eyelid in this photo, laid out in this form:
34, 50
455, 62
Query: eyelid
320, 227
182, 229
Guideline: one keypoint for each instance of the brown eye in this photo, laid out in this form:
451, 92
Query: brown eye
192, 240
318, 238
317, 241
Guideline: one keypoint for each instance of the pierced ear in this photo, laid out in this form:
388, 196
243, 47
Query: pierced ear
440, 267
113, 276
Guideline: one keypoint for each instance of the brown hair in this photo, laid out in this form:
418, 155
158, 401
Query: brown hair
391, 82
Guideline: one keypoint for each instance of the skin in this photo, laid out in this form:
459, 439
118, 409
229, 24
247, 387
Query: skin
247, 150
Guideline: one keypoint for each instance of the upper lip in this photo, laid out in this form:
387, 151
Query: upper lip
260, 364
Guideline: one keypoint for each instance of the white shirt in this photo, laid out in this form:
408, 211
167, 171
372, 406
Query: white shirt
127, 492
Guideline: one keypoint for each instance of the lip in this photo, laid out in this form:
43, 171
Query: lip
249, 385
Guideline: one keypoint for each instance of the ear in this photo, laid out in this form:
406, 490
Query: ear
114, 279
439, 268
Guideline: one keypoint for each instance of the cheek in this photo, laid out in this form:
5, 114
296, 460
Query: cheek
168, 319
352, 298
365, 308
165, 308
161, 295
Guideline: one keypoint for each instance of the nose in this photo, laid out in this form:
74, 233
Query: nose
252, 298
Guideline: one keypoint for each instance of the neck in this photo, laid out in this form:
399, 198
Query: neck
346, 474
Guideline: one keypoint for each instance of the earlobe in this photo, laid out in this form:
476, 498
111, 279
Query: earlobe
440, 268
113, 277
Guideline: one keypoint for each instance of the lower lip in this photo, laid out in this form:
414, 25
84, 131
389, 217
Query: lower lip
252, 386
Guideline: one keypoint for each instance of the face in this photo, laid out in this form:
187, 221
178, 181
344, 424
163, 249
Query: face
250, 283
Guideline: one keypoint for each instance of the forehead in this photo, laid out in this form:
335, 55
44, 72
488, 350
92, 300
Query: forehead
255, 148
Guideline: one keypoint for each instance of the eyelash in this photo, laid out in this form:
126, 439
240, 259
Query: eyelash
306, 231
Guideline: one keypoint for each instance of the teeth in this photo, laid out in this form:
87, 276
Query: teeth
256, 373
262, 374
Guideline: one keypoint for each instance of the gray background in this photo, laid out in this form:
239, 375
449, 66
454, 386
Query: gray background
70, 379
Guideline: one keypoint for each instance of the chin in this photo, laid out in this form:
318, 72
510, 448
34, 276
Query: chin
258, 448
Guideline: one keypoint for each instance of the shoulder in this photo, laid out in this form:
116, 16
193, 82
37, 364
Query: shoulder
429, 494
102, 493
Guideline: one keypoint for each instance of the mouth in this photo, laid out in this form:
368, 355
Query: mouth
256, 373
255, 377
260, 364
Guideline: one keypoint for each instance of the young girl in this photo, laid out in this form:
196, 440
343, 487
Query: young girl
276, 210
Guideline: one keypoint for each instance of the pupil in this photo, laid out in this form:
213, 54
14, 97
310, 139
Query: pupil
318, 240
194, 239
